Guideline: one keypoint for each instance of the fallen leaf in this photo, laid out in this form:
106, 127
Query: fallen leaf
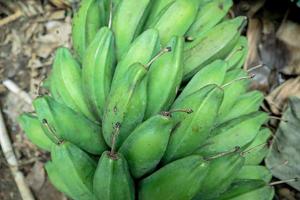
36, 177
283, 159
289, 34
277, 99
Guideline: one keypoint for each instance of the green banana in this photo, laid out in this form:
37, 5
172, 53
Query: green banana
222, 171
156, 8
180, 179
168, 69
240, 188
245, 104
142, 50
75, 168
175, 19
126, 104
193, 131
263, 193
209, 15
69, 125
258, 147
56, 179
254, 172
229, 136
86, 22
126, 25
211, 45
237, 56
112, 180
34, 131
213, 73
190, 103
146, 145
98, 69
66, 82
236, 83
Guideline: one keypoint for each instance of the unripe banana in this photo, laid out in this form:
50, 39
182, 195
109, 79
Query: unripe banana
213, 73
142, 50
263, 193
112, 180
34, 131
168, 70
240, 134
56, 179
259, 147
193, 131
97, 71
209, 15
180, 179
126, 104
245, 104
190, 102
145, 146
86, 22
128, 22
254, 172
222, 171
67, 80
156, 8
75, 168
244, 187
211, 45
69, 125
237, 56
175, 19
236, 83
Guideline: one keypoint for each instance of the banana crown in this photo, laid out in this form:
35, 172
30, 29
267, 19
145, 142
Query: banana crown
152, 103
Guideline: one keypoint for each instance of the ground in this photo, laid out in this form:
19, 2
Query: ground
31, 31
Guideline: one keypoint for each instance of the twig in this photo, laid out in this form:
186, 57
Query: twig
10, 85
12, 162
11, 18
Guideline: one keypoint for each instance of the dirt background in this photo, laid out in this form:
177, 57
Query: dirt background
31, 30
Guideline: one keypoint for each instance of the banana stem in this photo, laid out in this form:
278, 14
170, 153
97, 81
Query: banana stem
160, 53
110, 14
169, 113
284, 181
251, 149
238, 79
234, 52
52, 131
113, 141
236, 149
278, 118
255, 67
242, 26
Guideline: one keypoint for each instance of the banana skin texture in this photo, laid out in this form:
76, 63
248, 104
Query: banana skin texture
112, 180
146, 145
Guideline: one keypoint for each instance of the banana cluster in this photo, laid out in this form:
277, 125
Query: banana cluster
153, 105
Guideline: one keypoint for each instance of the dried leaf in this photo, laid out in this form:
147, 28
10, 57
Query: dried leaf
283, 159
277, 99
36, 177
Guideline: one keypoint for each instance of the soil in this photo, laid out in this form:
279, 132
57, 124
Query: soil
29, 39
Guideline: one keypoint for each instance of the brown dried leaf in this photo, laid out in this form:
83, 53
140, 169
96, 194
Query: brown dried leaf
36, 177
277, 99
289, 33
254, 37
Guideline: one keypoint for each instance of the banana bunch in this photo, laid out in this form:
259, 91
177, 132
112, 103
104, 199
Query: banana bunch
153, 104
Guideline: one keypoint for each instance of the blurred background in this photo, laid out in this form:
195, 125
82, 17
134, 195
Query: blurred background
31, 30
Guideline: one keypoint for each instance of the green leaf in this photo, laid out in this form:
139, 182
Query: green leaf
283, 159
